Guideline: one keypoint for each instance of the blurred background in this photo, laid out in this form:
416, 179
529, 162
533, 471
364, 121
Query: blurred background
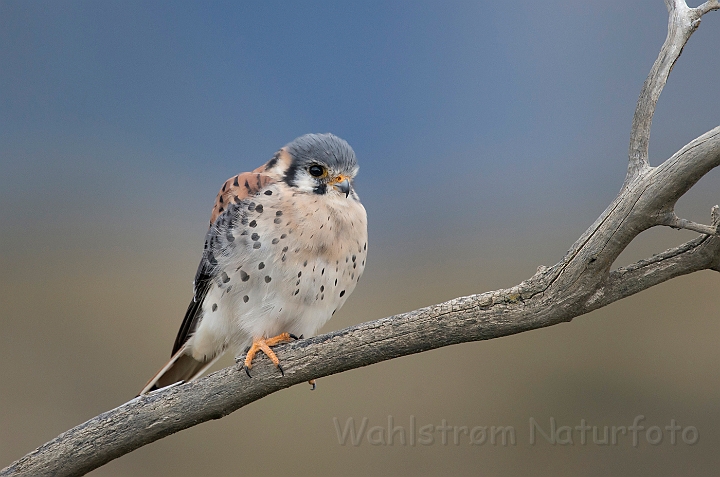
490, 136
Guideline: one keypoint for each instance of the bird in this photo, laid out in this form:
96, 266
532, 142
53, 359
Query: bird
286, 246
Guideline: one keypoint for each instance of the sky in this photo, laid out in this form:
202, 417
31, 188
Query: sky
489, 136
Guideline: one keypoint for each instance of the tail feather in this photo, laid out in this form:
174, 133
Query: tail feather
181, 367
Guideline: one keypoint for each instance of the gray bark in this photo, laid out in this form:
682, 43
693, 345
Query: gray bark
581, 282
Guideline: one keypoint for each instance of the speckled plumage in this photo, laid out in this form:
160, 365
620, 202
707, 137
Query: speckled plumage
283, 252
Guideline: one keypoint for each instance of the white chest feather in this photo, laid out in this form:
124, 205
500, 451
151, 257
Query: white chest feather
289, 262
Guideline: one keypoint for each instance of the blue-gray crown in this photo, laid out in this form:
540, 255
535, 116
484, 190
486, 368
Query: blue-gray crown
327, 148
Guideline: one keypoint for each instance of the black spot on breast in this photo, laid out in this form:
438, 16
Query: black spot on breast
322, 272
259, 208
277, 220
253, 223
297, 283
342, 293
353, 258
278, 213
283, 257
214, 307
336, 282
246, 298
305, 262
255, 236
251, 206
267, 279
244, 276
285, 249
225, 277
283, 236
230, 237
322, 288
275, 240
268, 192
256, 245
299, 274
261, 265
297, 291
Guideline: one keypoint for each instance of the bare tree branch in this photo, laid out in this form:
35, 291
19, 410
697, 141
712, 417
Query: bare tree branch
581, 282
672, 220
682, 23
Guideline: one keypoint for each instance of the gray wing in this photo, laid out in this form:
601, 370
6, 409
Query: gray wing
227, 212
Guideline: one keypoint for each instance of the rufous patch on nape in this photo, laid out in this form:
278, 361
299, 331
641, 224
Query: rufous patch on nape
286, 246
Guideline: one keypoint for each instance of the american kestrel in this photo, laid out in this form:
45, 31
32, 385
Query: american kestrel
286, 246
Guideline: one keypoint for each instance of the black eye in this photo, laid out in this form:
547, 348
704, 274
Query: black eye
316, 171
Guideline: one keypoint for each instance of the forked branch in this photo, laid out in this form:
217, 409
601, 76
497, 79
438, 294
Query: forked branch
682, 22
581, 282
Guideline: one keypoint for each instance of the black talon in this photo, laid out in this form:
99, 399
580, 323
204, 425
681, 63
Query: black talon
281, 370
294, 337
247, 371
302, 336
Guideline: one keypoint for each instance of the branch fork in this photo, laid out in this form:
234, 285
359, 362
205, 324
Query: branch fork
671, 220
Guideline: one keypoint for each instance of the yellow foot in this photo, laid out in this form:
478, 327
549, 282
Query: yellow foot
264, 344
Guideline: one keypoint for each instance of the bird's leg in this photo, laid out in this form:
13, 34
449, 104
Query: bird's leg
264, 344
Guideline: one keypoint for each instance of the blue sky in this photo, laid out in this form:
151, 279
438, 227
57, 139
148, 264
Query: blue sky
489, 103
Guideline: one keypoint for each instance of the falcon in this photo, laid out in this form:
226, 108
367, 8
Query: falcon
286, 246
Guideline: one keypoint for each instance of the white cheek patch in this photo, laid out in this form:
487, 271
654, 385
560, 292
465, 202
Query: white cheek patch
305, 183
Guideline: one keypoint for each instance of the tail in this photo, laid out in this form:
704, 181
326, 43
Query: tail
182, 367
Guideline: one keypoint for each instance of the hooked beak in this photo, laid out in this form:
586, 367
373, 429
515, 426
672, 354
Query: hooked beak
343, 186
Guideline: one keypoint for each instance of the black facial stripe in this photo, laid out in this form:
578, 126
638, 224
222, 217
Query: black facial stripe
321, 189
291, 174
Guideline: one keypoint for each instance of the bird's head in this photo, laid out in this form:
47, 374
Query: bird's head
317, 163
